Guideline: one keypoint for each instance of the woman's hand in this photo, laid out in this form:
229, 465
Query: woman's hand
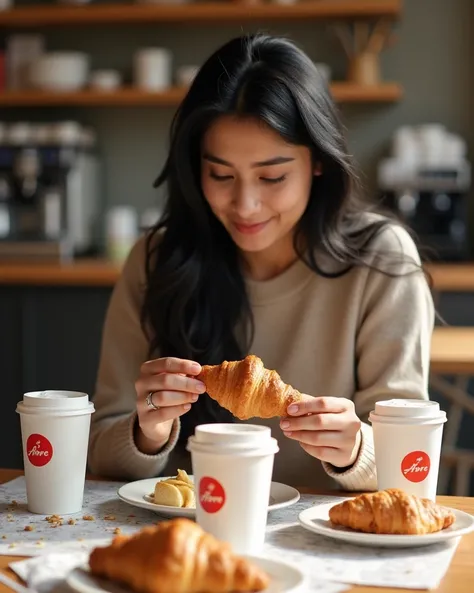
326, 427
173, 389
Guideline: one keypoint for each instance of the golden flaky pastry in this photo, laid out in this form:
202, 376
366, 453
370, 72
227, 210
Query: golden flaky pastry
247, 389
391, 511
175, 492
176, 556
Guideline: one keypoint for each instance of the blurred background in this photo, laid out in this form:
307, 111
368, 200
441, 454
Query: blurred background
87, 93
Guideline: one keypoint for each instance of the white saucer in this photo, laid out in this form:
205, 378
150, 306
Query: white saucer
316, 519
140, 494
283, 579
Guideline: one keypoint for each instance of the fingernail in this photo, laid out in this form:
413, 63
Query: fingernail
194, 397
200, 387
195, 367
187, 407
293, 409
285, 424
288, 434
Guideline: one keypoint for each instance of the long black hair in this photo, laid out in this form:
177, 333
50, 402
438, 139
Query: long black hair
195, 296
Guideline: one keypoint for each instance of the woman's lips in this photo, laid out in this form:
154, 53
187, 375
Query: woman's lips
250, 229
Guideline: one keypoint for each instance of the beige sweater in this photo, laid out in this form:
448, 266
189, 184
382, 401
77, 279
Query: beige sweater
364, 336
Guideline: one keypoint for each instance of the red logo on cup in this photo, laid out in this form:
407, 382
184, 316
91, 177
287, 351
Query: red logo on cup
211, 495
39, 450
416, 466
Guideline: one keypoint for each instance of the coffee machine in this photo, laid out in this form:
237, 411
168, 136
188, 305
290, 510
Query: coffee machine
49, 191
427, 183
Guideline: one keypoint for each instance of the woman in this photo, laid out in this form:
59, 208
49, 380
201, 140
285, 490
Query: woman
265, 247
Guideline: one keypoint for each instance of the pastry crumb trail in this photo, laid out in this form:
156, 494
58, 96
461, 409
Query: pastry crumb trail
29, 528
88, 518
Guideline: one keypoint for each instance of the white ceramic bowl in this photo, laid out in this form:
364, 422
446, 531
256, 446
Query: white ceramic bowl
61, 71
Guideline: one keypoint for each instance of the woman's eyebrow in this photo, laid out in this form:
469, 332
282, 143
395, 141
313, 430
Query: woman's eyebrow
278, 160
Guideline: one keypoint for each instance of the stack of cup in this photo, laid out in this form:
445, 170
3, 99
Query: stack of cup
232, 467
55, 434
407, 442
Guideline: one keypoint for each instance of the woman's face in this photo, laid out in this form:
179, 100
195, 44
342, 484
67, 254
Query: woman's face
256, 184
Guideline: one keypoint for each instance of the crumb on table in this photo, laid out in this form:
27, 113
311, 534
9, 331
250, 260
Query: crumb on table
80, 539
53, 518
71, 522
14, 503
4, 537
117, 531
88, 518
109, 518
29, 528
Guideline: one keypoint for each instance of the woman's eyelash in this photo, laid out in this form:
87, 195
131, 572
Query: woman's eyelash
265, 179
274, 179
220, 177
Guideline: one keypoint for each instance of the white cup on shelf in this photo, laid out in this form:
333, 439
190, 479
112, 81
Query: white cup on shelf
152, 69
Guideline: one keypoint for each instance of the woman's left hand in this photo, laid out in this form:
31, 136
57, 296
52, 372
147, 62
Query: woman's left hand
326, 427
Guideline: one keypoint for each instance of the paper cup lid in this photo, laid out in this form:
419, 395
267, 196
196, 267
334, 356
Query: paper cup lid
408, 408
40, 401
232, 434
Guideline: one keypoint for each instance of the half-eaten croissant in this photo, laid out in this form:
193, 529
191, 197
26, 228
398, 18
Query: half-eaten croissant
176, 556
247, 389
391, 511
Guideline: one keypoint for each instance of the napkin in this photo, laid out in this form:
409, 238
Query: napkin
47, 573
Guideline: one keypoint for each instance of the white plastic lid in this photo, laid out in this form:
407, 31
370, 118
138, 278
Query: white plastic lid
244, 439
52, 401
407, 409
232, 434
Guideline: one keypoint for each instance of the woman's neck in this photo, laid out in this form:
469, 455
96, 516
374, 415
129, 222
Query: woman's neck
268, 264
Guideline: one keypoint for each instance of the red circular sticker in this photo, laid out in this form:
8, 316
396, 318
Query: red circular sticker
38, 450
416, 466
211, 495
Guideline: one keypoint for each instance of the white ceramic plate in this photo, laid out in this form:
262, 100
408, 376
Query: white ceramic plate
316, 519
139, 494
283, 579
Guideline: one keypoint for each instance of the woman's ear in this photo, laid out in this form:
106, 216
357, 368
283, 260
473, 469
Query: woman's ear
318, 170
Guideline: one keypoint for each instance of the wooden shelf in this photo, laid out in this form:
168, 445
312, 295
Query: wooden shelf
210, 12
130, 97
101, 272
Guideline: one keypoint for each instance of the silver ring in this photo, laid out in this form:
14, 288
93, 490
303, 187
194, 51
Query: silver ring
149, 401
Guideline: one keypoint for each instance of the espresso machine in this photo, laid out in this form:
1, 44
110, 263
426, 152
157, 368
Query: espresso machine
49, 192
427, 182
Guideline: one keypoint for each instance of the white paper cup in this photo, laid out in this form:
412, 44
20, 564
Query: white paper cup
55, 434
407, 443
232, 467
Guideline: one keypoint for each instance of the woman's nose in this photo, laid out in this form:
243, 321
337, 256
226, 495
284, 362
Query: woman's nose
246, 201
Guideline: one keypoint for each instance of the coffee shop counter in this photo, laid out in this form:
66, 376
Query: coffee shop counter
100, 272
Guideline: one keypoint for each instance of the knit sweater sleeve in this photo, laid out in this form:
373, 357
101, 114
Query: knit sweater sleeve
392, 345
112, 449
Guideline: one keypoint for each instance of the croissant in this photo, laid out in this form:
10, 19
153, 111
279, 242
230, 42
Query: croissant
247, 389
176, 556
391, 511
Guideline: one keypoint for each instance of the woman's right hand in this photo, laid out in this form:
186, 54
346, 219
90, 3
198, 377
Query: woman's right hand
173, 387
